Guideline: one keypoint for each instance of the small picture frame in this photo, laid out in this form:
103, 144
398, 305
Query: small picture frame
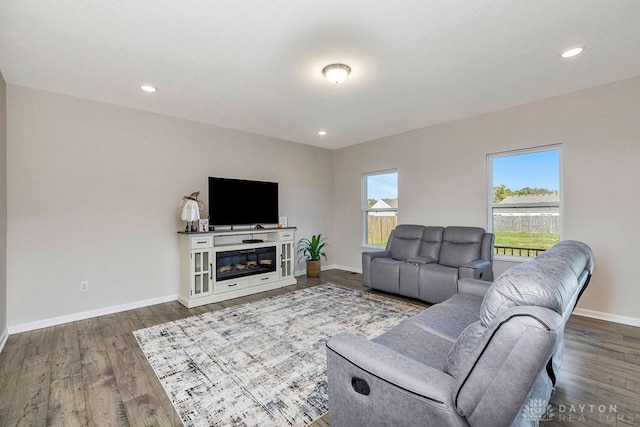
203, 225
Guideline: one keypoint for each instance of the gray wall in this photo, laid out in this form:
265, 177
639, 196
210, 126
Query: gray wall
3, 209
94, 192
442, 179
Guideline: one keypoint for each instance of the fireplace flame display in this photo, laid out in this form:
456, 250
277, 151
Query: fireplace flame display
247, 262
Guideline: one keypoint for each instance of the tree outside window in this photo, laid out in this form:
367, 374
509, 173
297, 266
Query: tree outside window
525, 200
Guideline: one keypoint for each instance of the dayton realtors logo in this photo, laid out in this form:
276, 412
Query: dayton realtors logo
591, 412
539, 410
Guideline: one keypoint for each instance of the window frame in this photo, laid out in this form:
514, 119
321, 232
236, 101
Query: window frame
365, 208
490, 185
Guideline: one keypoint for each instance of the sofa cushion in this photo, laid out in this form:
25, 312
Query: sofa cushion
460, 245
445, 320
470, 303
431, 242
437, 282
550, 281
460, 350
405, 241
570, 251
414, 341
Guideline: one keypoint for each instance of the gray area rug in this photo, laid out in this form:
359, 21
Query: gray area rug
262, 363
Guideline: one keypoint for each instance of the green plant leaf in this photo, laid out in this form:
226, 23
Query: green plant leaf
312, 248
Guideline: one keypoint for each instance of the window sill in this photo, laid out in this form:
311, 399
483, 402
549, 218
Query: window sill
511, 258
372, 247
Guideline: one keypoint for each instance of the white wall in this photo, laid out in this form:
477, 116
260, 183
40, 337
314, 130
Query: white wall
3, 211
94, 192
442, 179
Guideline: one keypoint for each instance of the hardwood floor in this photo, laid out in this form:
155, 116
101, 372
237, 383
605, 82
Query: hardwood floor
93, 373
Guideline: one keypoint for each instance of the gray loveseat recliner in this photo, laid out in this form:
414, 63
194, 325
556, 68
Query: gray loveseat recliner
487, 356
426, 262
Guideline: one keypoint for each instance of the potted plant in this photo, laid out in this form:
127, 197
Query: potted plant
312, 250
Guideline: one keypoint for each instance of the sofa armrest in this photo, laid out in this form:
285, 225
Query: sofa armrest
367, 257
377, 254
473, 287
393, 367
420, 260
478, 269
477, 264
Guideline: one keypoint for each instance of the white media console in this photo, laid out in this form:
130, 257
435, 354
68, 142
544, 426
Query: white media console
220, 265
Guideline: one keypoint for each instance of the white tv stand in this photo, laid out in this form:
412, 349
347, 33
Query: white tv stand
217, 265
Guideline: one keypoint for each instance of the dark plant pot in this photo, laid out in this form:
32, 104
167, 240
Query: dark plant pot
313, 268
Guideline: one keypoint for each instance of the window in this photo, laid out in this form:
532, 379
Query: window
379, 206
525, 200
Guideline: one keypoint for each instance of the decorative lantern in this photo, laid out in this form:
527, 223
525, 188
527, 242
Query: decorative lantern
191, 208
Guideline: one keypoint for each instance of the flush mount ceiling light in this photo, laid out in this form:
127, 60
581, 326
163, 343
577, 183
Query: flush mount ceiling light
336, 73
572, 51
148, 88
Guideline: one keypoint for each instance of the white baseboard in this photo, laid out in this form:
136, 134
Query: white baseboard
351, 269
615, 318
117, 309
330, 267
3, 338
303, 272
88, 314
625, 320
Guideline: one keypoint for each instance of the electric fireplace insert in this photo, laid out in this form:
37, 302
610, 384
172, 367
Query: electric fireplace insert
245, 262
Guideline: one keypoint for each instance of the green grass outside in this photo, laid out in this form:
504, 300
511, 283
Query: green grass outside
513, 239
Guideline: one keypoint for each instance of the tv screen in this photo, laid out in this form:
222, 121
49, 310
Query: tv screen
242, 202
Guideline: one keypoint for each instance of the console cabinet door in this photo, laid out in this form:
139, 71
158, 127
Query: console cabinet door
286, 258
287, 253
201, 272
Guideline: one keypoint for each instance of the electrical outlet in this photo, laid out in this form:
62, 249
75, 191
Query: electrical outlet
84, 286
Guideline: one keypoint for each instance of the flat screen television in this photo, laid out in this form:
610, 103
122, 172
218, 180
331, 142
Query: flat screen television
242, 202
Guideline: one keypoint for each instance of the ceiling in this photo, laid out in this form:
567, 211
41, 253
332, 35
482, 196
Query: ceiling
255, 65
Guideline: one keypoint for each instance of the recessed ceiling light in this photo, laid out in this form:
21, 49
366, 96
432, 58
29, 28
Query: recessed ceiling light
572, 51
336, 73
148, 88
322, 132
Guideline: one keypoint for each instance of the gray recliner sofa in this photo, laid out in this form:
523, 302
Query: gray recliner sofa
425, 262
487, 356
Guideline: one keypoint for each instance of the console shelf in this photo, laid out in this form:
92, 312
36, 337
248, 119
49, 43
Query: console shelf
220, 265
